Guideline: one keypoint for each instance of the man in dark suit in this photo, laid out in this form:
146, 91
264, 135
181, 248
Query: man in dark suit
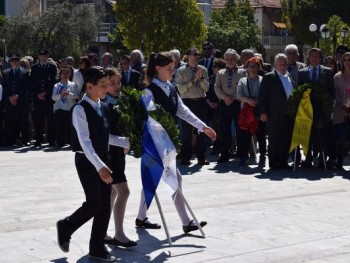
208, 60
43, 78
276, 87
15, 83
130, 77
323, 77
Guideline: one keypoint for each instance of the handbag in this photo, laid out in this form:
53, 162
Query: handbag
246, 119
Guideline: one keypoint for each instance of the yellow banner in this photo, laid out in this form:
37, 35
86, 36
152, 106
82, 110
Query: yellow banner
303, 123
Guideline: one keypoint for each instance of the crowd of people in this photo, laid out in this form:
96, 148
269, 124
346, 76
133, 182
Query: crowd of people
36, 99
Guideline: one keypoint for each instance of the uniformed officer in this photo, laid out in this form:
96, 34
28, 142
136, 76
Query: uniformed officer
43, 77
16, 84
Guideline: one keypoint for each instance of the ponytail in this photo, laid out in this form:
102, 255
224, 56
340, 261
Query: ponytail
161, 59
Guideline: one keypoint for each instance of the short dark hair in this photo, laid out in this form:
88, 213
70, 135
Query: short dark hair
207, 43
191, 50
219, 63
125, 57
94, 74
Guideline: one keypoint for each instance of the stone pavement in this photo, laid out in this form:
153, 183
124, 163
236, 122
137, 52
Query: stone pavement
254, 216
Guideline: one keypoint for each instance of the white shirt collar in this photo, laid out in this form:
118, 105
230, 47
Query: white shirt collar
93, 103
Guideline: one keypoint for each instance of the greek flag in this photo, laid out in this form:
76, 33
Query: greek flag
158, 159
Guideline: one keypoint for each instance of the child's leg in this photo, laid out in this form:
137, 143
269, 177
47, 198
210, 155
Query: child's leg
180, 204
143, 208
123, 193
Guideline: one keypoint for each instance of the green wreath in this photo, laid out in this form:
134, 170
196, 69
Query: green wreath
319, 95
133, 115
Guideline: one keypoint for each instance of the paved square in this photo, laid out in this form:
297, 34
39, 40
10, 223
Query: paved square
253, 216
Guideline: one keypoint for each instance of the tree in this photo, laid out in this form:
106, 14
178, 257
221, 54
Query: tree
160, 25
65, 29
333, 26
234, 26
299, 14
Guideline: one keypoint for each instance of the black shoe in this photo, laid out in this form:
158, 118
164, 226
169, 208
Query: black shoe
286, 167
203, 162
185, 162
117, 243
191, 228
146, 225
261, 163
105, 257
63, 237
223, 159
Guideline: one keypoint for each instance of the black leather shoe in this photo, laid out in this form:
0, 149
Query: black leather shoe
146, 225
203, 162
63, 237
191, 227
117, 243
223, 159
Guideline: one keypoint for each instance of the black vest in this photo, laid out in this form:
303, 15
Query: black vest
168, 103
98, 130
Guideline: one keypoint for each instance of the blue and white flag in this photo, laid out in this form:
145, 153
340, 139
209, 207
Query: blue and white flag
158, 159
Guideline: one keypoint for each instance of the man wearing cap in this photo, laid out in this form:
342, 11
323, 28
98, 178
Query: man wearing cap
43, 78
16, 83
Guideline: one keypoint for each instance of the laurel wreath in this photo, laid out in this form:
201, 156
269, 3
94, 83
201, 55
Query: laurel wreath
318, 95
133, 115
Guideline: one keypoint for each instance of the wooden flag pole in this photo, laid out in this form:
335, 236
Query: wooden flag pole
163, 219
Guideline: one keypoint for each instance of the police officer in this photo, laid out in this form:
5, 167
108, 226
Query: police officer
43, 77
16, 84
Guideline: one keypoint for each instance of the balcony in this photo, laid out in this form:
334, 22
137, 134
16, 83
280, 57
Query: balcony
276, 41
103, 30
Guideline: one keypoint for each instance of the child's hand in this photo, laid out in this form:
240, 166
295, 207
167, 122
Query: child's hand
105, 175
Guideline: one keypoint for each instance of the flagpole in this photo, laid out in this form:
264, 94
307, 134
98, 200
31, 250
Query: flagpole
163, 219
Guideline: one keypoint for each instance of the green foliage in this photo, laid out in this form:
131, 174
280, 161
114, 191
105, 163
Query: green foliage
132, 117
168, 123
65, 29
299, 14
234, 27
161, 25
319, 95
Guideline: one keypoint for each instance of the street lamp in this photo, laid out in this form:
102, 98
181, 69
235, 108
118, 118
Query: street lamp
313, 29
344, 33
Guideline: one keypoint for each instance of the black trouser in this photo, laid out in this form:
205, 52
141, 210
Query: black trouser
213, 122
16, 124
246, 139
44, 110
279, 138
227, 114
198, 107
63, 126
317, 142
97, 204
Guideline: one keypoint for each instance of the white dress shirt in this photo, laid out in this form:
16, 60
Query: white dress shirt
81, 126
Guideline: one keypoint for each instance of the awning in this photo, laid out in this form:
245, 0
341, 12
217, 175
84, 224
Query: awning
280, 25
111, 2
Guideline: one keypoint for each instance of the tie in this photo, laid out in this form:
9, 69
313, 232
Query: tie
314, 75
127, 76
98, 109
206, 63
229, 80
